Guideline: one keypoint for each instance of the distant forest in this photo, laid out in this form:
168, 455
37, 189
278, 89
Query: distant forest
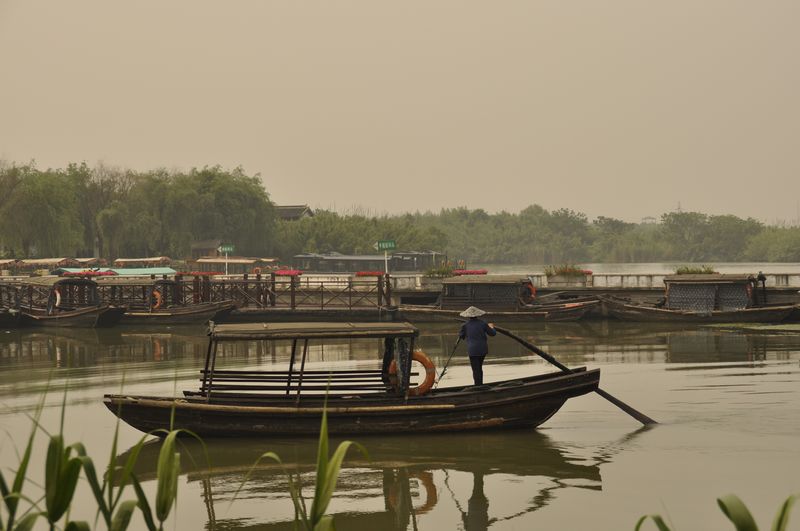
82, 211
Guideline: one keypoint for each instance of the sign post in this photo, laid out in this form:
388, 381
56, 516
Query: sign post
385, 246
226, 248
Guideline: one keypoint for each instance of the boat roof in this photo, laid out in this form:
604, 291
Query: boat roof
53, 280
250, 331
712, 278
485, 279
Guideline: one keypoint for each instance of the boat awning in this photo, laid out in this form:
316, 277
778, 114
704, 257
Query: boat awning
709, 278
252, 331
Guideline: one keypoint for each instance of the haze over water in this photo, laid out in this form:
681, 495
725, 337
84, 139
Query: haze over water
728, 403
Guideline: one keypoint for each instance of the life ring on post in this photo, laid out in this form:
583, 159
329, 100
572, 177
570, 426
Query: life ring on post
430, 373
256, 270
156, 299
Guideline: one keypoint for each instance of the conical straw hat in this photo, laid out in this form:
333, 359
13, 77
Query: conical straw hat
472, 311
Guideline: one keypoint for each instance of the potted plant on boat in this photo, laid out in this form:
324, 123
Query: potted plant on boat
567, 276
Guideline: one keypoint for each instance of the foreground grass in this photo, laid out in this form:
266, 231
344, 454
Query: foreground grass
737, 512
21, 511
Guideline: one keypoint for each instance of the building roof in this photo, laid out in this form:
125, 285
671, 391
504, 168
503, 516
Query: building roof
310, 330
485, 279
336, 256
90, 261
45, 262
234, 260
206, 244
293, 212
708, 278
121, 271
143, 260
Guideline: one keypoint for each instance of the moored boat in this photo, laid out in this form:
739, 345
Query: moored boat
64, 302
566, 311
359, 401
627, 310
176, 315
102, 315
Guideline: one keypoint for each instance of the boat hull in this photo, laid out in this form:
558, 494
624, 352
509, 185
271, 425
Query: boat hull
634, 312
91, 317
519, 403
193, 314
555, 312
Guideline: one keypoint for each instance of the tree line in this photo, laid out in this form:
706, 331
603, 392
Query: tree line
108, 212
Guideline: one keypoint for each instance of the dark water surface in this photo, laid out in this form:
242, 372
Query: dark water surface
729, 403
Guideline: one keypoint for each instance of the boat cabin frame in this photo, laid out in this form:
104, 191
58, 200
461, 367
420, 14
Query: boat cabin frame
399, 340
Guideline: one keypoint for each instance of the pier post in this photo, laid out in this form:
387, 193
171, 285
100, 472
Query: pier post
388, 289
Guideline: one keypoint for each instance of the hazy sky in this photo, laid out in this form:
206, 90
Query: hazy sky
620, 108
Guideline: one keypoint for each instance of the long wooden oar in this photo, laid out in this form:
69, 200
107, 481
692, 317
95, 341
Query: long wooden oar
641, 417
447, 363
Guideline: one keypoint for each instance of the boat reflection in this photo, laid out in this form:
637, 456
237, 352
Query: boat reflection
404, 481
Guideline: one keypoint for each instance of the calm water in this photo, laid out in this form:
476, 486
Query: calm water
654, 268
729, 404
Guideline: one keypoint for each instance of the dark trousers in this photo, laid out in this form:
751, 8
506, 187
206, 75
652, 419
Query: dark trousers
477, 368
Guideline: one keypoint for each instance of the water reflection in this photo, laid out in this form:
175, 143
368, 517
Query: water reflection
576, 343
487, 478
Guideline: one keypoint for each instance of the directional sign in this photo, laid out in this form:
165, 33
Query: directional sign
227, 248
385, 245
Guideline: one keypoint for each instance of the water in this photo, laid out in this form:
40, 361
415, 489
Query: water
728, 403
655, 268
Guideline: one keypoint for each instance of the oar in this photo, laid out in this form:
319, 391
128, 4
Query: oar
641, 417
444, 369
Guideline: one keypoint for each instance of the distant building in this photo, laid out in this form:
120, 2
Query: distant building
648, 220
153, 261
293, 212
237, 265
411, 261
205, 248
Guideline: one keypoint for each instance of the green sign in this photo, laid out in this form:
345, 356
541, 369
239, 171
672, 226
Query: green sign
385, 245
227, 249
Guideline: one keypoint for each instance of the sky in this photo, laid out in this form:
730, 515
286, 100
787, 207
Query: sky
620, 108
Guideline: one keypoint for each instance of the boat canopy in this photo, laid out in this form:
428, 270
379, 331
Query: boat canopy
303, 331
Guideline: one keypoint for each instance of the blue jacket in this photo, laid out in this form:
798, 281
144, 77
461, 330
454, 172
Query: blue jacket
475, 332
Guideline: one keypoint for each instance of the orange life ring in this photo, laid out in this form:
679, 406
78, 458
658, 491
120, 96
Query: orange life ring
256, 270
430, 373
159, 299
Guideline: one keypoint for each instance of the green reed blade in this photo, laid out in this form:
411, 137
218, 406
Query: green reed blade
782, 518
167, 473
660, 524
737, 513
26, 523
265, 455
123, 517
331, 477
325, 524
144, 505
77, 526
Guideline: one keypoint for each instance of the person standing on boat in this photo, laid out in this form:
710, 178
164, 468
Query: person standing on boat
476, 331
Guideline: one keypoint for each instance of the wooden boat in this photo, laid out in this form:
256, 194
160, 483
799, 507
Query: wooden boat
177, 315
630, 311
64, 302
567, 311
359, 401
102, 315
